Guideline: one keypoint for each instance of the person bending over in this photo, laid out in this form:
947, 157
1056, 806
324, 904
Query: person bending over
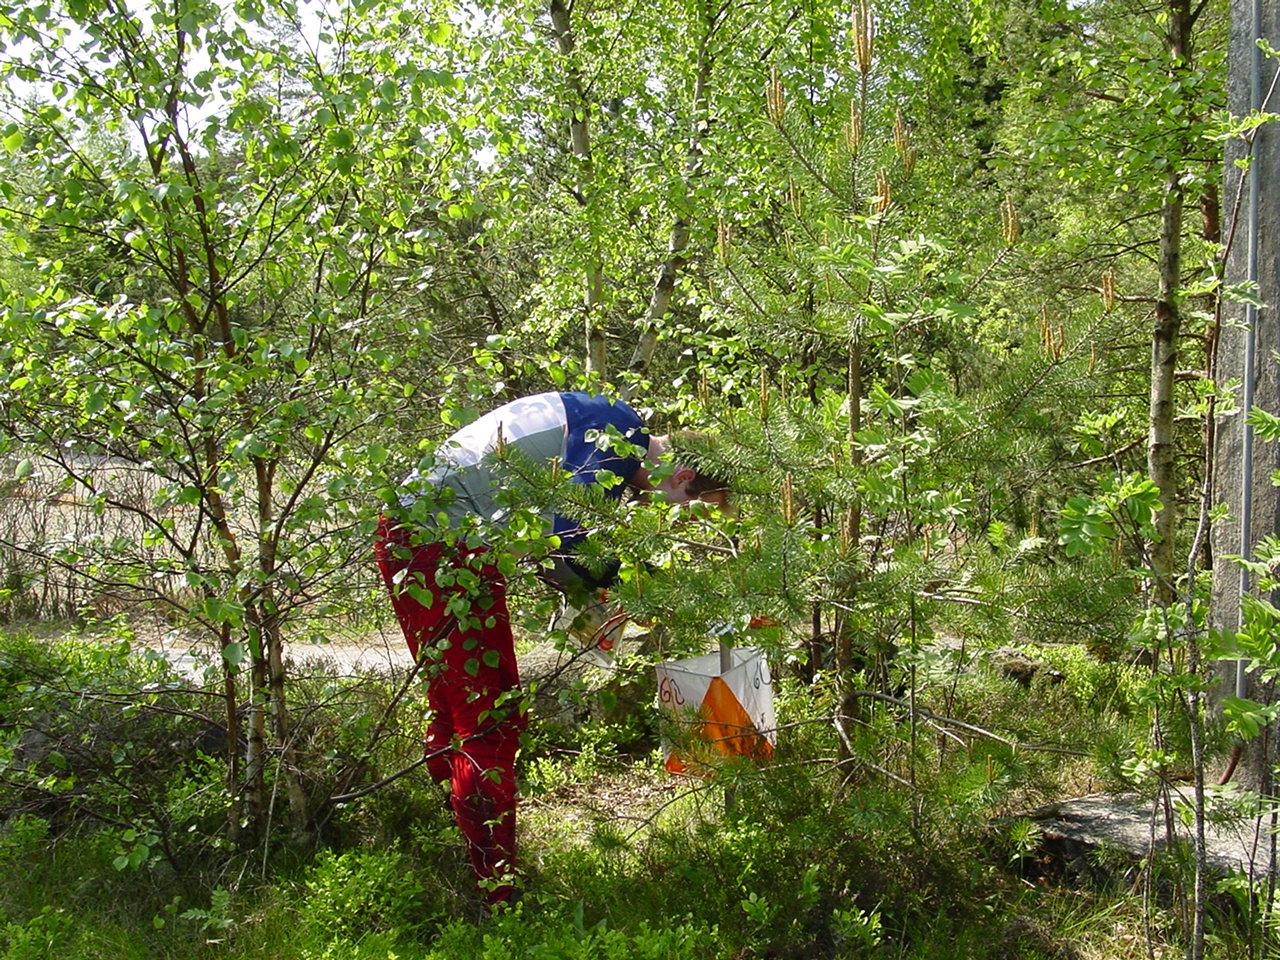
448, 589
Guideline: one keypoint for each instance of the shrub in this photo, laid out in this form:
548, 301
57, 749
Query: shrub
41, 937
522, 934
352, 894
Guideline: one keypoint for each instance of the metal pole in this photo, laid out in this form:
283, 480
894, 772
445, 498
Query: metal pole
726, 664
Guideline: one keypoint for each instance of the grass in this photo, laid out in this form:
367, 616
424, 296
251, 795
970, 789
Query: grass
817, 857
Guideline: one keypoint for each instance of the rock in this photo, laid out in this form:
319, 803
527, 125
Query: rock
1021, 669
1073, 832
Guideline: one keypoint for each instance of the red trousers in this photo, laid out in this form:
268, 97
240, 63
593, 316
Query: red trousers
452, 607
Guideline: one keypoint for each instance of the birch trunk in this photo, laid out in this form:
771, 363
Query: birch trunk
273, 643
231, 704
1161, 451
1161, 462
659, 303
580, 144
678, 242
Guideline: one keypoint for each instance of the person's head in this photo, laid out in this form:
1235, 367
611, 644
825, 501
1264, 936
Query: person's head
687, 482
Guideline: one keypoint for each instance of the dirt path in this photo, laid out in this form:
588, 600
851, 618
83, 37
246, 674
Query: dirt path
377, 651
374, 652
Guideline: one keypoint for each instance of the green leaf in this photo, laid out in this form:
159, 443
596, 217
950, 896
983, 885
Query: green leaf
1266, 425
1084, 527
341, 138
1248, 717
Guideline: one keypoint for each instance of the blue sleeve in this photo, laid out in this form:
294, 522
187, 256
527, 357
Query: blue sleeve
589, 415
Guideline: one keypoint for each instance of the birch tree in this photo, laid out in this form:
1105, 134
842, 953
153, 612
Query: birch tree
253, 235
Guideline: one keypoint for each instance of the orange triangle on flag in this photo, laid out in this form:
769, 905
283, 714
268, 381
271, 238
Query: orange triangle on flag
727, 725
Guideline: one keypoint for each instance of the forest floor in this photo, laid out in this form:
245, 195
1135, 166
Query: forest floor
629, 799
582, 794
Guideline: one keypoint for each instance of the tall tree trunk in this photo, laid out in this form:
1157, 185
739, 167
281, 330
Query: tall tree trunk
580, 144
1251, 224
678, 242
1161, 452
1161, 461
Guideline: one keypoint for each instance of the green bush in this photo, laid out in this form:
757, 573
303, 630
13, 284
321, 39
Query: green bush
350, 895
886, 851
100, 741
43, 937
523, 935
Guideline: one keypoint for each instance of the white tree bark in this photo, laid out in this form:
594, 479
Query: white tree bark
678, 242
580, 143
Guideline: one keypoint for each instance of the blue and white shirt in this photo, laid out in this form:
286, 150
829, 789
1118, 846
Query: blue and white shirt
550, 428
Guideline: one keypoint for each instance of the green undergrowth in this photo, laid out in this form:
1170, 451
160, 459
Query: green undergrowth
908, 845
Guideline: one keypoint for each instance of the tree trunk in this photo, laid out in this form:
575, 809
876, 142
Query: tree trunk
659, 303
678, 241
282, 727
1248, 341
231, 703
254, 790
1161, 452
1161, 462
273, 643
580, 144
